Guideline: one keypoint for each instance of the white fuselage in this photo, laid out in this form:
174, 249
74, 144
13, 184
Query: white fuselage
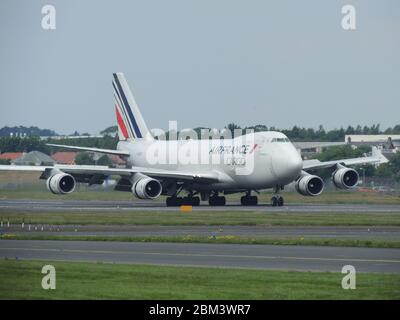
256, 161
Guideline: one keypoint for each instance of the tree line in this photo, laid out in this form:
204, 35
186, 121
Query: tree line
300, 134
27, 144
25, 131
109, 140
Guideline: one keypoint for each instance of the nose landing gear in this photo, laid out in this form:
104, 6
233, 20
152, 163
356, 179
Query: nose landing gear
277, 199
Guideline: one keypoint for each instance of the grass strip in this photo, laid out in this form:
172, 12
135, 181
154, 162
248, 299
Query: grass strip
226, 239
209, 218
21, 279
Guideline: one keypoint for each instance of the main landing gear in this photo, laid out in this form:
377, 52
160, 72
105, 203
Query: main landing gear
277, 199
190, 200
249, 200
216, 200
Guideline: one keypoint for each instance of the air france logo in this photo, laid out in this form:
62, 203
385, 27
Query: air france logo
242, 149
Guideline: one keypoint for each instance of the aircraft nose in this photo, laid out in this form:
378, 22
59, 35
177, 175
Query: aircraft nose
294, 164
287, 166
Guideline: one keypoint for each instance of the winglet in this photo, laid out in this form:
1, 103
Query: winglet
378, 154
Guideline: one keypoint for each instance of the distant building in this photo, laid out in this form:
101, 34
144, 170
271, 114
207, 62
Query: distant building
34, 158
372, 139
385, 141
11, 156
388, 143
65, 157
313, 147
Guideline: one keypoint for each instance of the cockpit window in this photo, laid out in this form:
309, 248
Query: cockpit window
280, 140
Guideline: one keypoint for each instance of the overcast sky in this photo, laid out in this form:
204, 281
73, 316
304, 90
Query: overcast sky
202, 63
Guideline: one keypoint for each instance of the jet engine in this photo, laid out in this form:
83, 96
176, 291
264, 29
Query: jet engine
146, 188
345, 178
61, 183
309, 185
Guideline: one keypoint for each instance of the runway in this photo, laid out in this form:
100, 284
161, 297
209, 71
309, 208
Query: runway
143, 205
304, 258
212, 255
331, 232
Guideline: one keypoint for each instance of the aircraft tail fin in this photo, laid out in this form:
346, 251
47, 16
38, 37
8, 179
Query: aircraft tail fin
130, 121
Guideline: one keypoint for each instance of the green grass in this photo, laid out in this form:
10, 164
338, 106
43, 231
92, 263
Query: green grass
76, 280
211, 218
370, 243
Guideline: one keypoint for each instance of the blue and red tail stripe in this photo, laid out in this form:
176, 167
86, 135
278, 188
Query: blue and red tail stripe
126, 107
123, 115
121, 123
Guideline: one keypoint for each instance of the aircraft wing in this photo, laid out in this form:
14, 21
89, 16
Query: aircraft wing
377, 158
107, 151
90, 171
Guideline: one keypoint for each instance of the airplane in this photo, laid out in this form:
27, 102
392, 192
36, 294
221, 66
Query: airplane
242, 164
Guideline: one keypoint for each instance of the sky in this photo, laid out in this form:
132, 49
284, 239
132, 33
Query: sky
201, 63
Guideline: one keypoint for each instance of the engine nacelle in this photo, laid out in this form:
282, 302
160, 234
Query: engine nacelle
309, 185
345, 178
147, 188
61, 183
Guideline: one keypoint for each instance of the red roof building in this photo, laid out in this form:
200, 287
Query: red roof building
11, 155
65, 157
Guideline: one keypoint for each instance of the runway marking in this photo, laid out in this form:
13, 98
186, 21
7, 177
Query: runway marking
204, 255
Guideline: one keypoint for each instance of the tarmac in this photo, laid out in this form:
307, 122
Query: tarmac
277, 257
301, 258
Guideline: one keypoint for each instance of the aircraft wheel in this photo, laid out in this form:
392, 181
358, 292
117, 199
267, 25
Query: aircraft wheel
217, 201
280, 201
191, 201
174, 201
249, 200
196, 201
274, 201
